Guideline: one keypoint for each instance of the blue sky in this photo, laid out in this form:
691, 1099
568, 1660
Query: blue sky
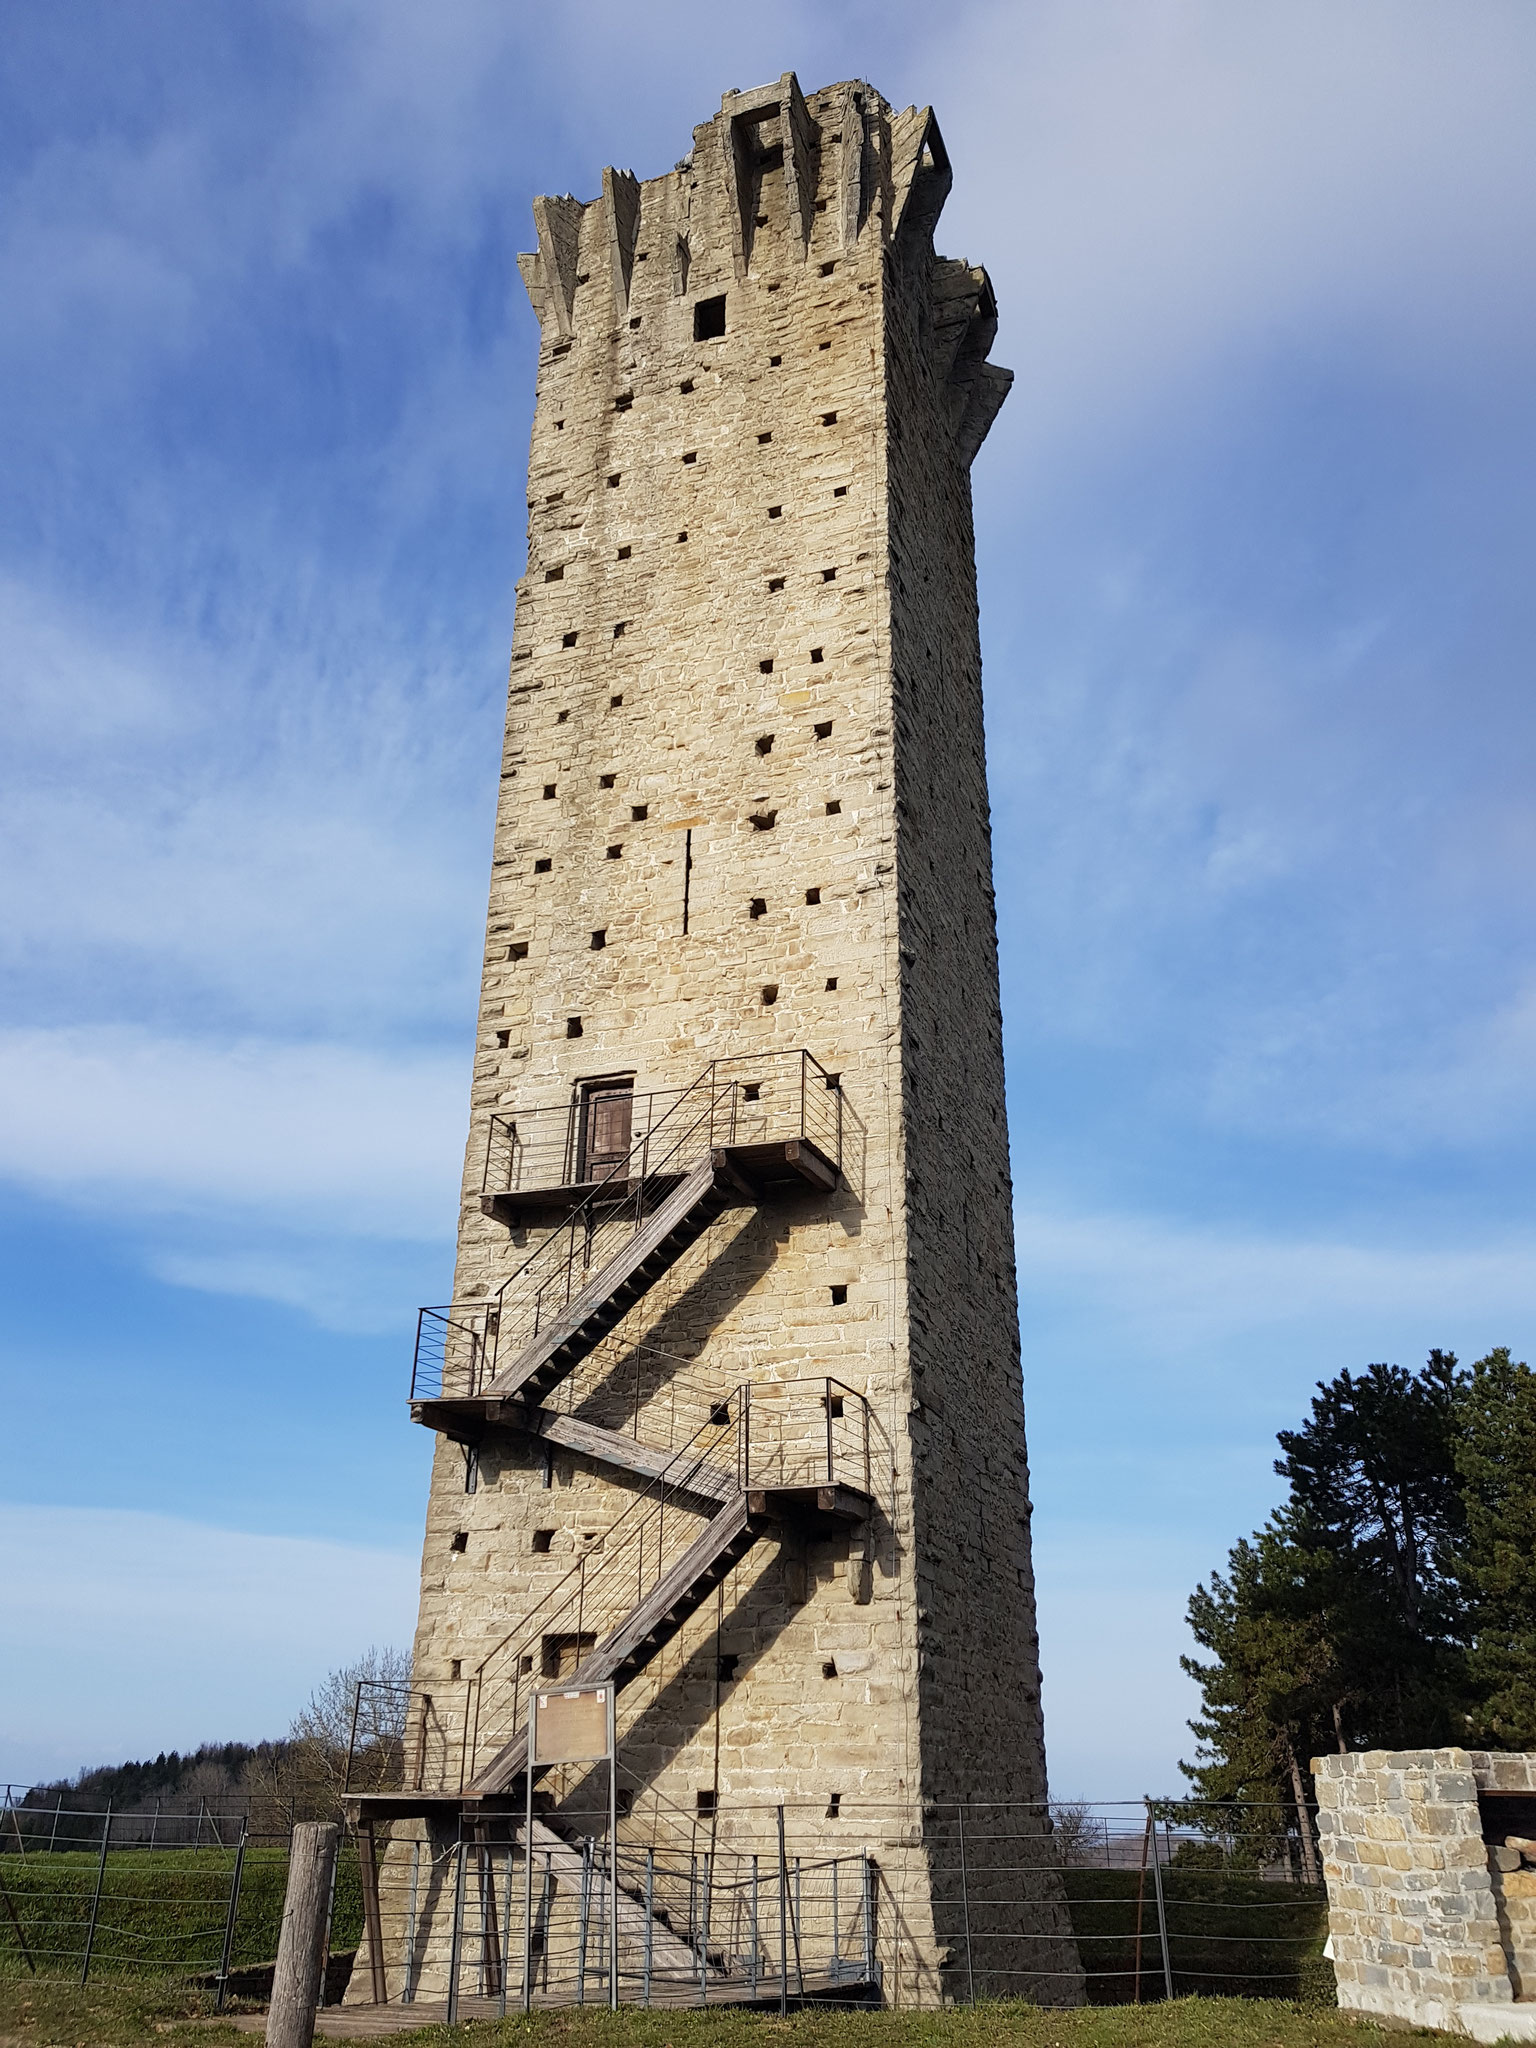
1255, 541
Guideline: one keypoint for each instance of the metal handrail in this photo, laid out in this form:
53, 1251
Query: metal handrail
810, 1451
718, 1107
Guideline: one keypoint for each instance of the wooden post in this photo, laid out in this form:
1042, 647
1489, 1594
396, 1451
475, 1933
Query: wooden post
296, 1982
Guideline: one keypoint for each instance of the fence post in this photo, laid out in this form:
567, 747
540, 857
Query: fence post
1162, 1916
586, 1905
298, 1980
752, 1965
229, 1917
783, 1921
704, 1936
1141, 1900
965, 1901
101, 1871
456, 1933
408, 1988
870, 1871
372, 1918
506, 1930
650, 1923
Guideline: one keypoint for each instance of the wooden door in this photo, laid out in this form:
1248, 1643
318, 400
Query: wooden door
607, 1120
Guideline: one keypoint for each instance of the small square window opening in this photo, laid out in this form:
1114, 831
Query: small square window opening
542, 1539
709, 319
573, 1027
839, 1295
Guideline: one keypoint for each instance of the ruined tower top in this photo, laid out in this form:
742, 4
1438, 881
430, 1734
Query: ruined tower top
776, 184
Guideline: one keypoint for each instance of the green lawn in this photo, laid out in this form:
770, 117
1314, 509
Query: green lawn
51, 2013
160, 1910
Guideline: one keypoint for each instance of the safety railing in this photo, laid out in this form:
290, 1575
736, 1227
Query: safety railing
554, 1146
786, 1435
745, 1100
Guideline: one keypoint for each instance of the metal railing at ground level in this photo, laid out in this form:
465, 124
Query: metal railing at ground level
845, 1900
735, 1902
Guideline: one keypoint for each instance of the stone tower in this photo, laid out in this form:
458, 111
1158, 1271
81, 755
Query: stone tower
736, 1251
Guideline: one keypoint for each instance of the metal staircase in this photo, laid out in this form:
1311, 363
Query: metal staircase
761, 1463
745, 1132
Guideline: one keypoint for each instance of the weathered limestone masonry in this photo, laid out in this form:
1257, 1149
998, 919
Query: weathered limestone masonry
744, 810
1432, 1918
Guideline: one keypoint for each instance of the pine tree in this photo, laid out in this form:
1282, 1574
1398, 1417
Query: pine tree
1496, 1460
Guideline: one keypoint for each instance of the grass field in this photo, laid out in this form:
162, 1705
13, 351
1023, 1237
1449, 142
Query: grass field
50, 2013
161, 1910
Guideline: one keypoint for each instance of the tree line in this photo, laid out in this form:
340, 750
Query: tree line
1390, 1601
354, 1719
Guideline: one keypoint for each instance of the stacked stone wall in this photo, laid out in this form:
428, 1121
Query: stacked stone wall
1432, 1920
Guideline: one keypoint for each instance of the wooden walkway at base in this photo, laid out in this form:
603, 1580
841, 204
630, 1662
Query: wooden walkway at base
374, 2022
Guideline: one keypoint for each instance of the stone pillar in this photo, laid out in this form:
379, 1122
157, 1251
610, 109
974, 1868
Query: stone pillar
1413, 1917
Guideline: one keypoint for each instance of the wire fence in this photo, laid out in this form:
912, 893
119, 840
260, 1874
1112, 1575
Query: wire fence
142, 1892
741, 1904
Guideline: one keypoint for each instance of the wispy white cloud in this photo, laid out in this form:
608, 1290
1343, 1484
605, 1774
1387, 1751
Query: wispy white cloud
330, 1137
1158, 187
1184, 1291
208, 1634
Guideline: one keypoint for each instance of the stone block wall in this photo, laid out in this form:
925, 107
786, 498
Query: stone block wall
1432, 1920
